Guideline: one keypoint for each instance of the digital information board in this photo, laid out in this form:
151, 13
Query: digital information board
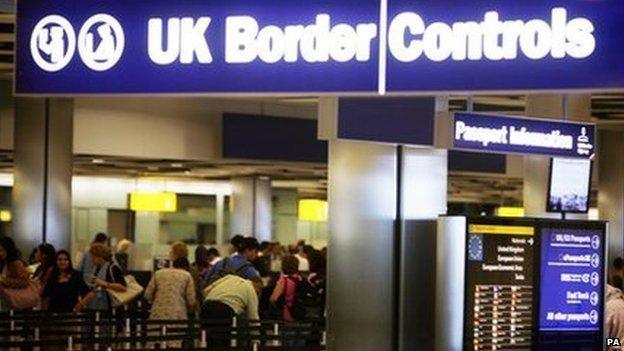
499, 284
534, 284
571, 280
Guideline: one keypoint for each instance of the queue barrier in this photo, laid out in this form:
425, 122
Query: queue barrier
132, 330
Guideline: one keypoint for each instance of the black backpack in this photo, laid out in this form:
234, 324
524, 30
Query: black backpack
306, 299
226, 270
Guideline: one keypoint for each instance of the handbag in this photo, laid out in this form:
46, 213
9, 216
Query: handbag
121, 298
22, 299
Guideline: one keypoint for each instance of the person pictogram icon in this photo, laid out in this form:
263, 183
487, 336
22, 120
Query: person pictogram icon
106, 47
101, 42
52, 43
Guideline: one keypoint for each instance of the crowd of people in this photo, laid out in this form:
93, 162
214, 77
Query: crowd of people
252, 280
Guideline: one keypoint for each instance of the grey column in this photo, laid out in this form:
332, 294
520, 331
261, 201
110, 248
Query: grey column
611, 188
251, 207
537, 168
362, 209
43, 172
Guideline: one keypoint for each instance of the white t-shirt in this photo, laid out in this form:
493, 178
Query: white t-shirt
304, 264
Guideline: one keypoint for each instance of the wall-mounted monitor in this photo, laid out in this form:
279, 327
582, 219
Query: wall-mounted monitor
570, 185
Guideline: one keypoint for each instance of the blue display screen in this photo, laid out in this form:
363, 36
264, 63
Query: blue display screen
571, 288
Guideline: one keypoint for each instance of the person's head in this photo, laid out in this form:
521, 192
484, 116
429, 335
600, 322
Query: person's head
124, 246
178, 250
249, 248
318, 264
618, 264
292, 249
8, 251
63, 262
213, 253
265, 248
100, 238
201, 257
235, 243
290, 265
182, 263
308, 250
301, 244
46, 255
100, 254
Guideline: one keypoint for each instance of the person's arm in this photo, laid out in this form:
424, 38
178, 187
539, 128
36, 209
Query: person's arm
117, 283
252, 304
278, 291
150, 291
84, 302
17, 276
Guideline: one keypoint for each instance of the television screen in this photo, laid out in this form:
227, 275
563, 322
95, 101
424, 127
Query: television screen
570, 185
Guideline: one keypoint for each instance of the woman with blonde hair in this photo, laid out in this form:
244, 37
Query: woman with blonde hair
122, 253
172, 293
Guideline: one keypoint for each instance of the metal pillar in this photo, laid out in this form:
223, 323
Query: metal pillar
43, 172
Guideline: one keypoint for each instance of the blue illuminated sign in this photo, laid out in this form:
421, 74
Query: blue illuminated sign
571, 280
505, 134
316, 46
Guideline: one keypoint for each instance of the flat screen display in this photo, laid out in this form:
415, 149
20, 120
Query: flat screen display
499, 287
534, 285
571, 279
570, 185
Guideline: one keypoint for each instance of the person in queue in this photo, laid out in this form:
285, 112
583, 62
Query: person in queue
171, 291
229, 297
214, 256
13, 272
617, 276
235, 243
180, 250
262, 263
614, 313
65, 287
239, 264
302, 256
122, 254
202, 261
86, 266
286, 289
46, 257
107, 275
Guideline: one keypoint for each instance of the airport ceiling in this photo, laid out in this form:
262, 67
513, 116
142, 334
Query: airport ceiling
309, 179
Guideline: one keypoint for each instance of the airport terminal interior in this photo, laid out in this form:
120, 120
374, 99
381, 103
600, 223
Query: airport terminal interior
338, 176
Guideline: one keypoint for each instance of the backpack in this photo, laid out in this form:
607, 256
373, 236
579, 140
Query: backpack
306, 299
226, 270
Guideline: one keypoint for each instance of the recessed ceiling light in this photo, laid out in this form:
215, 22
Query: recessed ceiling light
177, 165
97, 161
